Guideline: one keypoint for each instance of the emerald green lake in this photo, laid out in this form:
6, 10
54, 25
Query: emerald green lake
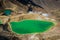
30, 26
7, 12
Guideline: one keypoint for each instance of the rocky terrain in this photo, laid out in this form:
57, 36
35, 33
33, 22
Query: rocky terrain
20, 13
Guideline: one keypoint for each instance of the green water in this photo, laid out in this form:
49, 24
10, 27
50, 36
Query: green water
7, 12
0, 21
30, 26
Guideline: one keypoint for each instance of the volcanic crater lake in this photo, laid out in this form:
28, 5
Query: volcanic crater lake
30, 26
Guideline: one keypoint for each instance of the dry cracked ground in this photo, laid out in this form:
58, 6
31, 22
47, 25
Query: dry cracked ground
20, 14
